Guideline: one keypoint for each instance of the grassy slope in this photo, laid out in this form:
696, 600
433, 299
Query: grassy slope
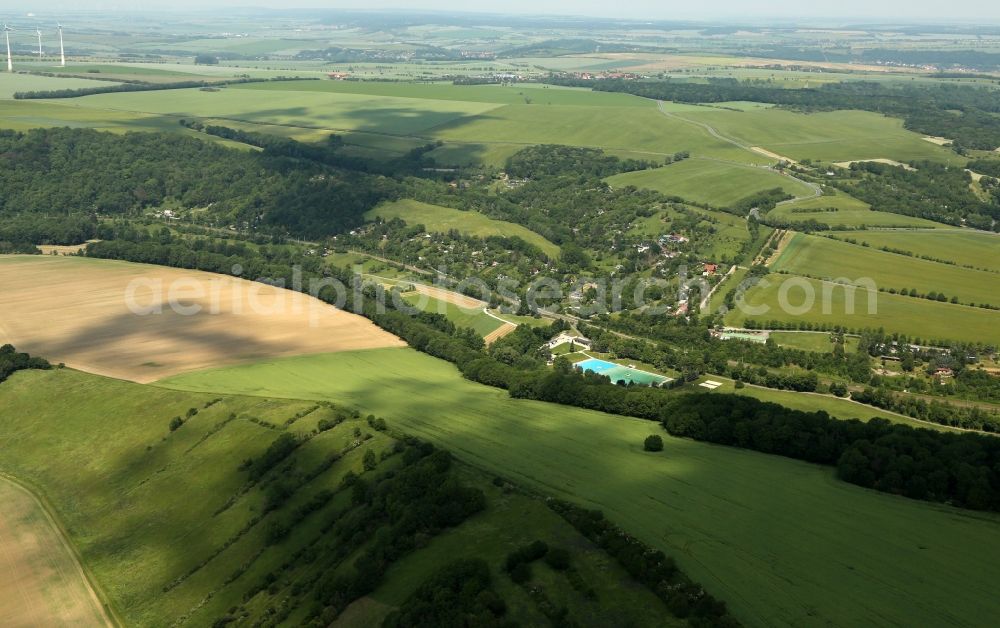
917, 318
822, 257
969, 248
444, 219
783, 542
850, 212
826, 136
713, 182
462, 317
144, 517
119, 506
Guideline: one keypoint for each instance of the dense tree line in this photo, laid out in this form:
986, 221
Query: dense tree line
143, 87
459, 594
11, 361
552, 160
421, 498
81, 171
961, 469
684, 598
960, 113
32, 228
931, 190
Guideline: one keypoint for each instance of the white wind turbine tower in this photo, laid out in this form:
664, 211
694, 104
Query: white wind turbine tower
39, 33
6, 33
62, 51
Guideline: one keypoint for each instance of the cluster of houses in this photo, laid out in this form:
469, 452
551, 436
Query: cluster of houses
625, 76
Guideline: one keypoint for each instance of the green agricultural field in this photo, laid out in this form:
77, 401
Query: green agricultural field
641, 130
823, 258
350, 112
826, 136
707, 181
501, 95
745, 524
11, 83
443, 219
963, 247
461, 317
851, 212
172, 532
917, 318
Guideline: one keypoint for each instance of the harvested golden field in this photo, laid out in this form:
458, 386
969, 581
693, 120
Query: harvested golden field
41, 582
77, 311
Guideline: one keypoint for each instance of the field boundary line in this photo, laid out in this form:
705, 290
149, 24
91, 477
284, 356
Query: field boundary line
97, 593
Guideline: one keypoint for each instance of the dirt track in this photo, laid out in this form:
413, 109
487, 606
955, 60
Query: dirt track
74, 310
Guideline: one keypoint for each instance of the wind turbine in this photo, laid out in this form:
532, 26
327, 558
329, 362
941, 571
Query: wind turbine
6, 33
39, 33
62, 51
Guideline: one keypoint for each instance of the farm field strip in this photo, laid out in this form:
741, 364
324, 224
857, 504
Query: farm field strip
74, 310
918, 318
963, 247
341, 112
743, 523
824, 258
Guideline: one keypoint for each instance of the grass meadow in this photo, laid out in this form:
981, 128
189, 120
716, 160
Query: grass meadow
824, 258
461, 317
443, 219
745, 524
707, 181
804, 341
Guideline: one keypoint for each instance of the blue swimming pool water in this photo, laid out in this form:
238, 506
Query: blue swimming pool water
618, 373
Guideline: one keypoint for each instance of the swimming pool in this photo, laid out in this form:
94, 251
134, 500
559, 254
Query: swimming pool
619, 373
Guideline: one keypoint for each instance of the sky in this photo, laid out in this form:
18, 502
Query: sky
847, 10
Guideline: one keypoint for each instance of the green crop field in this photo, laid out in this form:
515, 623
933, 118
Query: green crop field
964, 247
501, 95
826, 136
745, 524
707, 181
174, 535
351, 112
11, 83
443, 219
461, 317
850, 212
824, 258
917, 318
642, 130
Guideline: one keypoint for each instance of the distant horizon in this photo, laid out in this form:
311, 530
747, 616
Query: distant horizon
784, 13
